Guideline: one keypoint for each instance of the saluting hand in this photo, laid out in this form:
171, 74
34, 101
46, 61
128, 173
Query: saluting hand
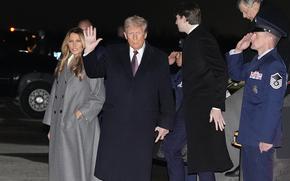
91, 40
244, 43
162, 132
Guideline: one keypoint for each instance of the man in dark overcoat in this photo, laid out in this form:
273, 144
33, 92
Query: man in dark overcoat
139, 102
204, 88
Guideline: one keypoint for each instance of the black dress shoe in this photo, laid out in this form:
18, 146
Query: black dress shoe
234, 173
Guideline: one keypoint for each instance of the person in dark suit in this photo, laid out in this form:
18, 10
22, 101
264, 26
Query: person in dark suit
265, 77
139, 102
204, 88
42, 44
174, 144
84, 24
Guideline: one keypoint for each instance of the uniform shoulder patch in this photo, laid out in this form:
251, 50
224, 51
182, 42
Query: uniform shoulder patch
276, 81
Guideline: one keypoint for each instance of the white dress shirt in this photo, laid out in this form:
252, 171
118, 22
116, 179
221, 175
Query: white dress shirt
139, 55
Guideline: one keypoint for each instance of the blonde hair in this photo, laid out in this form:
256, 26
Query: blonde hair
76, 65
135, 21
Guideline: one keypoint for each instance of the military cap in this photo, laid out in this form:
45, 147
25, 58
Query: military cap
263, 25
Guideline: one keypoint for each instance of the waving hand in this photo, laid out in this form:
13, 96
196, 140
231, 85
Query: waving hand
91, 40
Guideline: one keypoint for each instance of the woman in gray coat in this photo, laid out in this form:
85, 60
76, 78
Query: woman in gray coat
72, 114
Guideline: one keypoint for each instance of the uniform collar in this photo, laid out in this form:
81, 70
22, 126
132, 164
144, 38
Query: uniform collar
263, 54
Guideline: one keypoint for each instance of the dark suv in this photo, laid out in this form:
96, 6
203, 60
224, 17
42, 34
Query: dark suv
25, 75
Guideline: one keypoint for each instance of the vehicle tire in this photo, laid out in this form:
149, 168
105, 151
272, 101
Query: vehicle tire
34, 99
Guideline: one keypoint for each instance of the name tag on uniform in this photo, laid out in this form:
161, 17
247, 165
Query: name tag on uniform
256, 75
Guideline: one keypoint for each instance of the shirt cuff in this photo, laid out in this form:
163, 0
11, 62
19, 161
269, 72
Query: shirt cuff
215, 108
234, 52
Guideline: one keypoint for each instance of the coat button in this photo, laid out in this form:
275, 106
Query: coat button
60, 111
57, 82
62, 96
55, 97
54, 112
65, 82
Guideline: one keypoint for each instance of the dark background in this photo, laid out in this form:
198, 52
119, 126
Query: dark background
57, 16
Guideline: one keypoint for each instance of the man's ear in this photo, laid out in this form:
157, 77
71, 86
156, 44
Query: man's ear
183, 18
125, 35
256, 7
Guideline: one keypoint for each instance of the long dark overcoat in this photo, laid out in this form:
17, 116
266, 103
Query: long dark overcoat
134, 106
204, 87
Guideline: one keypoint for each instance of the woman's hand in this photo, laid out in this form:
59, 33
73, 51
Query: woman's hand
78, 114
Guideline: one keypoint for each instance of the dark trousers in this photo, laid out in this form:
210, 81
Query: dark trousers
205, 176
172, 147
257, 166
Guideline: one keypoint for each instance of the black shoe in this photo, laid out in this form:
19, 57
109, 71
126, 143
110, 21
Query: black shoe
234, 173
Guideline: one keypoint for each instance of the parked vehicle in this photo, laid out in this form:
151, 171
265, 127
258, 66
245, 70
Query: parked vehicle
25, 75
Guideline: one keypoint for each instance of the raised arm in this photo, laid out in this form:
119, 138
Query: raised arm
94, 54
91, 40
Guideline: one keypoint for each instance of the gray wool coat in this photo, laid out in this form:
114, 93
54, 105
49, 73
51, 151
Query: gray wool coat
74, 143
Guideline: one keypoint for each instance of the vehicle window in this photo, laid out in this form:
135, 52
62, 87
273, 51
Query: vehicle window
18, 40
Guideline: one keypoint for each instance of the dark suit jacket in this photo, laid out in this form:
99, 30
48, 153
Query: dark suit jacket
204, 87
134, 106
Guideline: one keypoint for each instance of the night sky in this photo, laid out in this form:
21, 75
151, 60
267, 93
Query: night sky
222, 17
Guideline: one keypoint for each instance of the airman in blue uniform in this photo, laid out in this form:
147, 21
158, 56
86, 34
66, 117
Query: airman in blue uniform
265, 79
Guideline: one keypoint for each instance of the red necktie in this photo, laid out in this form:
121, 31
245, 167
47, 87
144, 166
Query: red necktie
134, 62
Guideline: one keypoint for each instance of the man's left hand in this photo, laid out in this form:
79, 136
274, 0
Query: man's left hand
217, 117
264, 147
162, 132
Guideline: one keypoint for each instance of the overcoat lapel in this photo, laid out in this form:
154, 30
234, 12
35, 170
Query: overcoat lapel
125, 60
67, 75
144, 61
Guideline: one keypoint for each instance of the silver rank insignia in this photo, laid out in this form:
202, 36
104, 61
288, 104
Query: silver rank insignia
255, 89
276, 81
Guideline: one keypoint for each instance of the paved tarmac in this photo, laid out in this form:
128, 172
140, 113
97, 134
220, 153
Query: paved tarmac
24, 150
24, 147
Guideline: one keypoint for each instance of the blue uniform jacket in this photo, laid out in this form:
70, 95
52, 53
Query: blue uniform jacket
265, 86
